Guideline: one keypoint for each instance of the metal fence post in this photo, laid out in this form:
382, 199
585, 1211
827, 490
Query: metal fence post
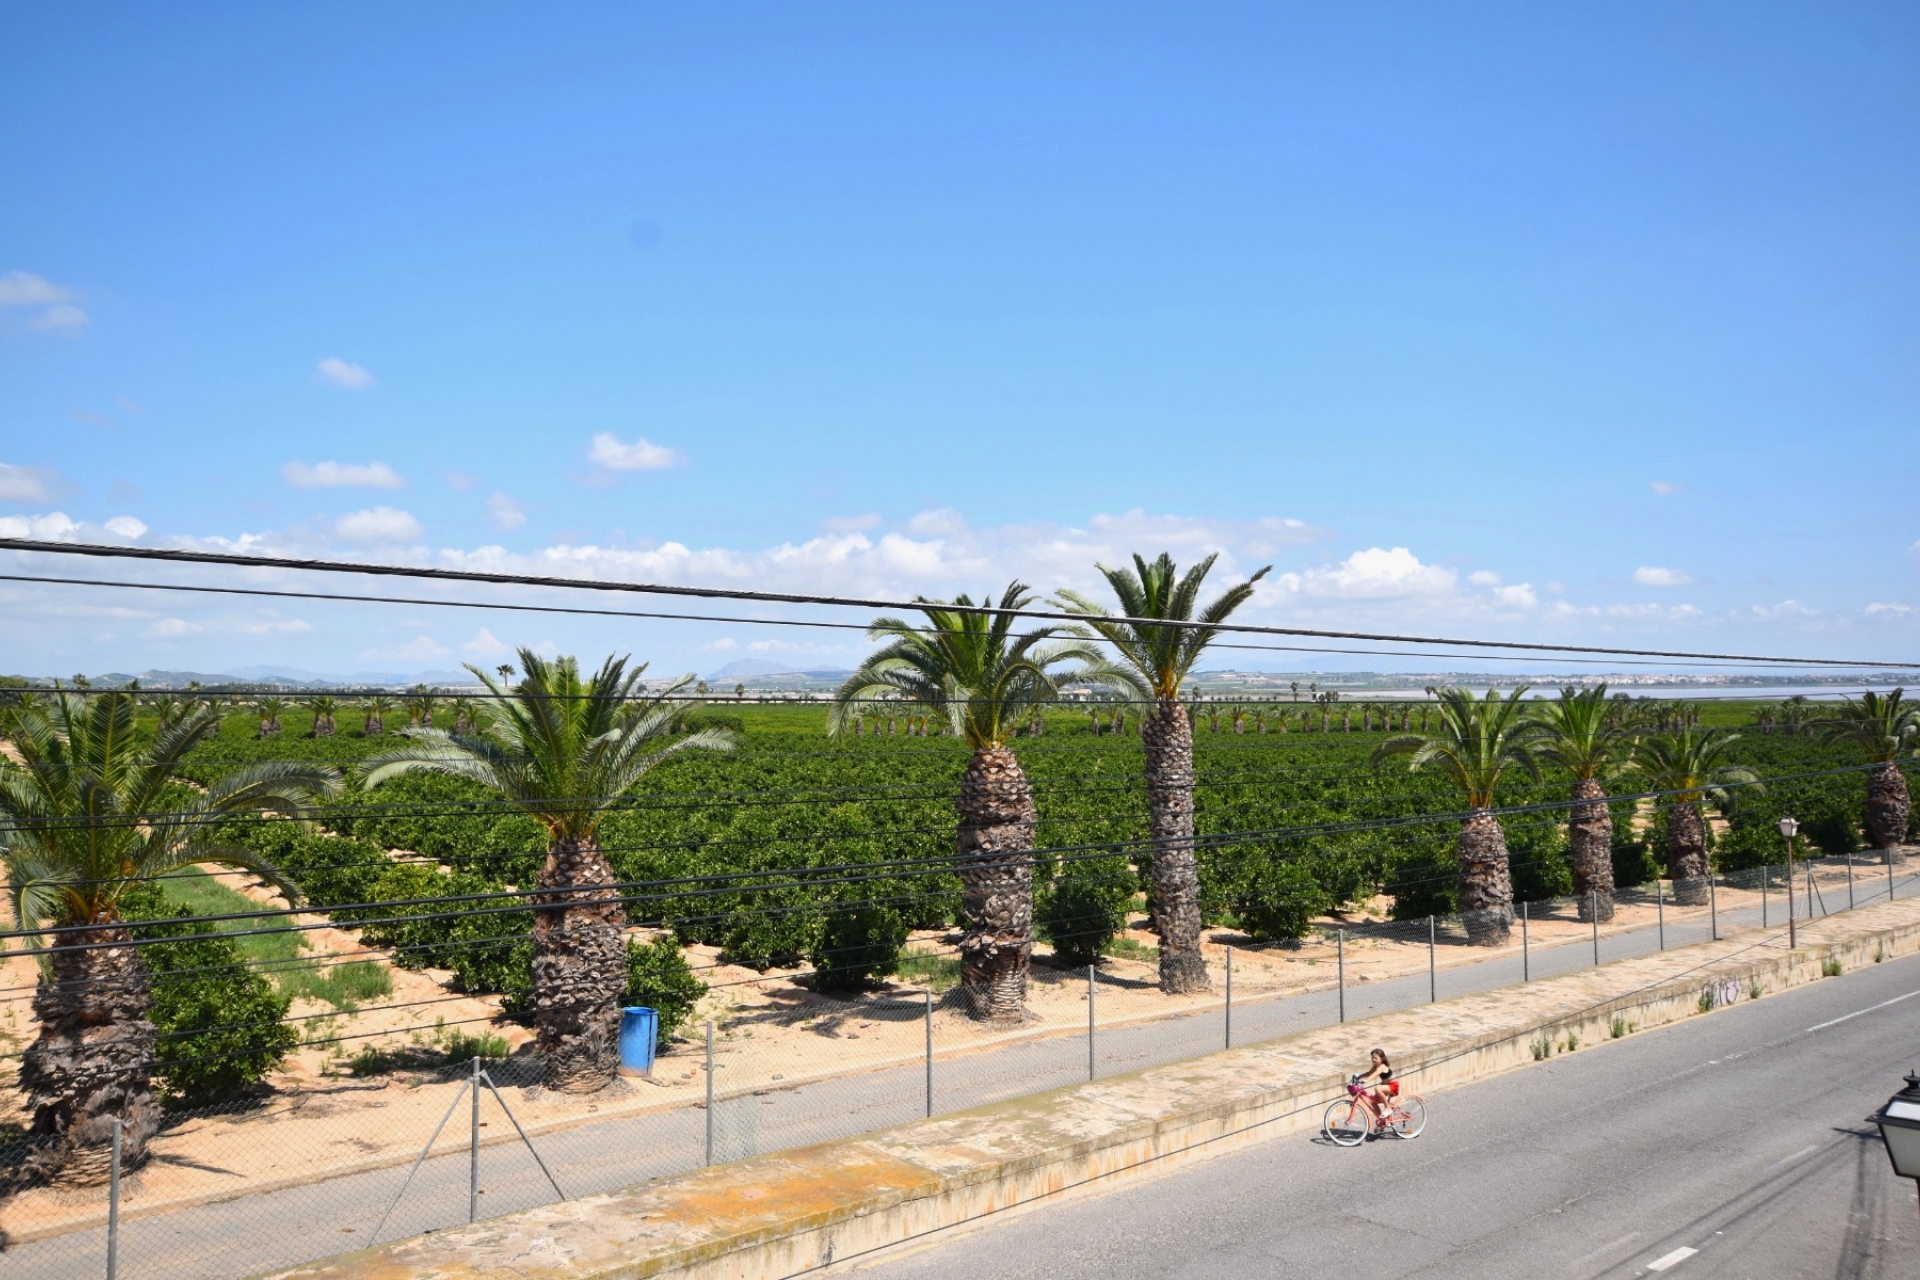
1090, 1045
113, 1203
1713, 907
1433, 982
473, 1149
1341, 943
929, 995
1593, 907
709, 1090
1660, 906
1229, 997
1889, 856
1766, 874
1526, 958
1850, 903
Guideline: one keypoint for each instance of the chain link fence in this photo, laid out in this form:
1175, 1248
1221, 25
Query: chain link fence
396, 1147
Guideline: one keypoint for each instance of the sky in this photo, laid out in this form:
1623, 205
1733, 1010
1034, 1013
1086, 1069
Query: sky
1584, 325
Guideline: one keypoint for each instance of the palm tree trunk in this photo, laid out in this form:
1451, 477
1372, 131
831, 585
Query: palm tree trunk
1176, 881
93, 1061
1888, 808
995, 847
1590, 846
1486, 888
579, 967
1687, 854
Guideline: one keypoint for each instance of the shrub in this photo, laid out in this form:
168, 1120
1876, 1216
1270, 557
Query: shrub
1831, 826
1537, 862
1633, 862
1279, 901
861, 942
222, 1025
659, 978
1082, 910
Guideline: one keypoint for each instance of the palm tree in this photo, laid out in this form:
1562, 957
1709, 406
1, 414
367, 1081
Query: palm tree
1690, 765
565, 750
322, 708
466, 716
1883, 727
970, 670
376, 709
419, 702
270, 709
88, 808
1479, 739
1584, 739
1159, 659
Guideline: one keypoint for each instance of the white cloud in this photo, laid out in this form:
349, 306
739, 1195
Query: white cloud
1666, 488
724, 644
62, 315
460, 481
486, 645
850, 524
55, 526
340, 373
23, 484
1373, 574
1484, 578
24, 289
379, 524
171, 629
1877, 609
610, 454
1652, 576
342, 475
126, 526
1518, 596
418, 647
273, 627
504, 513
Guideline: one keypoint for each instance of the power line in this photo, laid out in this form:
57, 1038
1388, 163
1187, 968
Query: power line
176, 556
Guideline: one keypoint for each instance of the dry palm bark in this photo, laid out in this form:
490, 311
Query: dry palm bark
1590, 849
1888, 809
995, 846
1168, 739
1687, 854
92, 1064
1486, 890
579, 967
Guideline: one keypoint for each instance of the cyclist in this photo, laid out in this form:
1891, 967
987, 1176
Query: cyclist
1377, 1084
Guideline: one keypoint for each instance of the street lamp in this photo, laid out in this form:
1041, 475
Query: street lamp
1899, 1123
1788, 830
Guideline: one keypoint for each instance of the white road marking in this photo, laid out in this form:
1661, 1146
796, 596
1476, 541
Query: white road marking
1783, 1163
1857, 1012
1673, 1259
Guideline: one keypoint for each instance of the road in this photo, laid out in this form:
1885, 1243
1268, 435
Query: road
1739, 1136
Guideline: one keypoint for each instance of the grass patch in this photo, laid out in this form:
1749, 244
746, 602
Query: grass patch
1542, 1047
1132, 949
202, 895
1831, 968
343, 986
936, 973
452, 1048
1621, 1027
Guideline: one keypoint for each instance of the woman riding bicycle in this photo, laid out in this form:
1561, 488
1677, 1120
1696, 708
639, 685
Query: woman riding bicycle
1376, 1083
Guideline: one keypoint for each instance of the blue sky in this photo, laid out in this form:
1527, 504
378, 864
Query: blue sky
1517, 321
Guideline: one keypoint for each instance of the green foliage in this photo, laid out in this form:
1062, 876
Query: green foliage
858, 942
934, 972
1537, 860
1082, 910
1278, 900
659, 978
221, 1024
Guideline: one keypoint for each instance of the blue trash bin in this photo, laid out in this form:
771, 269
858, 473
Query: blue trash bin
639, 1033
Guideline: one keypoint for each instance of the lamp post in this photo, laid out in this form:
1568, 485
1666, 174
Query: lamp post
1899, 1123
1788, 830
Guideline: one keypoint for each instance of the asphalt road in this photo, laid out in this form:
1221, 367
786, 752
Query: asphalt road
1740, 1136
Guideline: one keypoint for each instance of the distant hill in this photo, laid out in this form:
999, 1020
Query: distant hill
741, 668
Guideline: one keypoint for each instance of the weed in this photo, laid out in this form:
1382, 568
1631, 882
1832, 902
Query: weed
1542, 1048
1132, 949
1831, 967
1571, 1043
342, 985
462, 1047
1621, 1027
936, 973
1709, 1000
1879, 952
1754, 989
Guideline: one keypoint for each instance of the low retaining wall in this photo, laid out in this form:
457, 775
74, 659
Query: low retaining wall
797, 1211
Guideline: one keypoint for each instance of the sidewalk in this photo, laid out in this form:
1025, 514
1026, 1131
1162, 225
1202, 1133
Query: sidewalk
773, 1216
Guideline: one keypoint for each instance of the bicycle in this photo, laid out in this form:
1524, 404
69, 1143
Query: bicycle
1351, 1120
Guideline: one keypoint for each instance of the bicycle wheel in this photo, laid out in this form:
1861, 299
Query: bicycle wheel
1347, 1123
1409, 1117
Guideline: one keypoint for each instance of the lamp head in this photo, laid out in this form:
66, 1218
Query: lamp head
1899, 1123
1789, 828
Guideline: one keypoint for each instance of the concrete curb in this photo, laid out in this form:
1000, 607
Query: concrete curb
797, 1211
